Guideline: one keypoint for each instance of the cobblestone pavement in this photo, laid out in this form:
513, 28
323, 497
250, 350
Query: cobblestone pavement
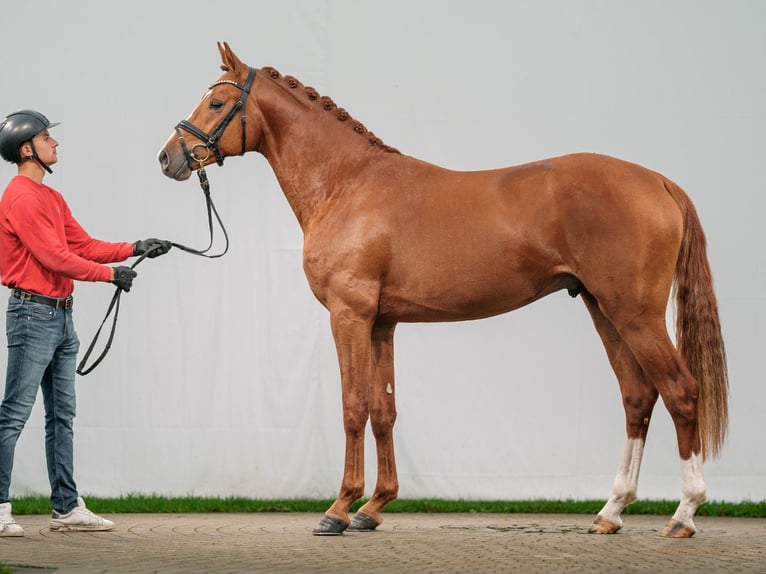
438, 543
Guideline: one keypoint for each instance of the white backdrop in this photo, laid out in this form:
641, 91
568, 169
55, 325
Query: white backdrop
223, 378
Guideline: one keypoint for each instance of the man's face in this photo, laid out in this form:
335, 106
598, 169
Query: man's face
45, 146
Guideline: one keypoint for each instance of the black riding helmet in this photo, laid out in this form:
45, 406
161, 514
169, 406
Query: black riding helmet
18, 128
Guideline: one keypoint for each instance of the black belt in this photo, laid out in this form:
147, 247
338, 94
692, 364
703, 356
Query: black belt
35, 298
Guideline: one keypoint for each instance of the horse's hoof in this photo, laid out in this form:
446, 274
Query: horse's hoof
329, 526
603, 526
362, 523
675, 529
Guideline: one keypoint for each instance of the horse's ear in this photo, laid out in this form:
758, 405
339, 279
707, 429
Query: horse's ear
229, 60
223, 57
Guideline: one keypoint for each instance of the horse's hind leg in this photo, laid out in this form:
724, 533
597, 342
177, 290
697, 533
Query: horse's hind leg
639, 397
382, 419
644, 330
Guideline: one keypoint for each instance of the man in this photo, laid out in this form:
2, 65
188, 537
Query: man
42, 251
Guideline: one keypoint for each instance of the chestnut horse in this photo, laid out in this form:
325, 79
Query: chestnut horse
390, 238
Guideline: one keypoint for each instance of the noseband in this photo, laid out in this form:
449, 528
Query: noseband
211, 141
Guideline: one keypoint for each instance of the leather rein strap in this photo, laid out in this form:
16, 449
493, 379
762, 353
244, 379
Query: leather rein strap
114, 305
195, 163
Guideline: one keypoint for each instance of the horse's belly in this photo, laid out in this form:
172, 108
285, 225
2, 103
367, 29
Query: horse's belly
460, 297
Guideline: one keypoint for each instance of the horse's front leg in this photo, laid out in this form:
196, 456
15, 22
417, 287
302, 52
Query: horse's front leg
382, 419
352, 342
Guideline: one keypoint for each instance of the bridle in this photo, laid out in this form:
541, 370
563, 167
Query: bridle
211, 141
197, 164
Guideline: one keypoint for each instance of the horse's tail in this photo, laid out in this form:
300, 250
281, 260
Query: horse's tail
698, 328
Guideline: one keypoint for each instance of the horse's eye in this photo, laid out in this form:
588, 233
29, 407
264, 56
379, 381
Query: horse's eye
216, 105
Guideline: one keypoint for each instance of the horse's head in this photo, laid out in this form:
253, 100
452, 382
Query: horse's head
220, 126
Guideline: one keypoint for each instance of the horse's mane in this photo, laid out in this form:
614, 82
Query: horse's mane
328, 105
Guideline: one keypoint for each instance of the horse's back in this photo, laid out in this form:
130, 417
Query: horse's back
547, 213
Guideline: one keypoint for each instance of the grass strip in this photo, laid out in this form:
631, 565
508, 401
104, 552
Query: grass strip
140, 503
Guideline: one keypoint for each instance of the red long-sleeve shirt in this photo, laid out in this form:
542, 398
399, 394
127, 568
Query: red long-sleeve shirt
42, 247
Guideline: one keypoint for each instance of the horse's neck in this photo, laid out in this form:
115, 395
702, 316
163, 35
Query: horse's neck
304, 182
306, 150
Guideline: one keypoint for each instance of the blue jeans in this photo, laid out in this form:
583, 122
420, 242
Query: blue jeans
42, 353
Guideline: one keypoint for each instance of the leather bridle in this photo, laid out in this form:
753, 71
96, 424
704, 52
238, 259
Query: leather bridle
211, 141
197, 164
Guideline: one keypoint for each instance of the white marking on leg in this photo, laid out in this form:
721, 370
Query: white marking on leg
625, 487
692, 490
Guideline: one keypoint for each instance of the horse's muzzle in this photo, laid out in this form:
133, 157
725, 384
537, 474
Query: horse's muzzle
174, 167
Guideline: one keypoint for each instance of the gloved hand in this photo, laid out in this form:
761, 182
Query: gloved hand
123, 277
156, 247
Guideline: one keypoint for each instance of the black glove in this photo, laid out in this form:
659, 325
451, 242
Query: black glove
123, 277
155, 247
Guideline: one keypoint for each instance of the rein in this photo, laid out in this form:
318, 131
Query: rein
195, 161
211, 211
114, 305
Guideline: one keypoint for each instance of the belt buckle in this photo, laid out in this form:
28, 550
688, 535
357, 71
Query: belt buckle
24, 295
68, 302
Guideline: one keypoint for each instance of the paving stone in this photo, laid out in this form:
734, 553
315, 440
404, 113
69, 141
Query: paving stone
440, 543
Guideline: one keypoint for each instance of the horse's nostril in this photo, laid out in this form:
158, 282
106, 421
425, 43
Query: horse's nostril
164, 160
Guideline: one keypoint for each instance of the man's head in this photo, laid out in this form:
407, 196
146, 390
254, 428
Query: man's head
19, 133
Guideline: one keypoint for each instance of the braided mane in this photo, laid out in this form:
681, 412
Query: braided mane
328, 105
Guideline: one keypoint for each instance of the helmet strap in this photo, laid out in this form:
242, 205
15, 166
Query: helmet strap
35, 157
45, 166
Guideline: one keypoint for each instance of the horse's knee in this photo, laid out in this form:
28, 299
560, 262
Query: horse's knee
355, 423
382, 421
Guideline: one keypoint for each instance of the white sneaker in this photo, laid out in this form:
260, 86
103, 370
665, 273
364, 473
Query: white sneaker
8, 526
79, 518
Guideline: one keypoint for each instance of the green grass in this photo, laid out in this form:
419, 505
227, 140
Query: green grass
133, 503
